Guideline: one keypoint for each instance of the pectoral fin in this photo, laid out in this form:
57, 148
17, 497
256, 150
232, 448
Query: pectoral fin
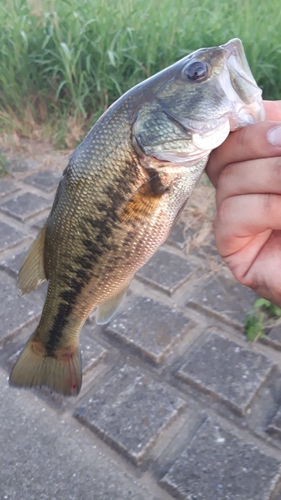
32, 272
145, 201
107, 309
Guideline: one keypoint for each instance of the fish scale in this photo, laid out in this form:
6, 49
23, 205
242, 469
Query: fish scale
119, 197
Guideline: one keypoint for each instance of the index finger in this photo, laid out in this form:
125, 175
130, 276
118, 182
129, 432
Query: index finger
246, 144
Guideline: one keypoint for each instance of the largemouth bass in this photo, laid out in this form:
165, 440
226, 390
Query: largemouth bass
120, 195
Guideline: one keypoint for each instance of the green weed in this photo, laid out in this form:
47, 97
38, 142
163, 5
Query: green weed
261, 317
3, 165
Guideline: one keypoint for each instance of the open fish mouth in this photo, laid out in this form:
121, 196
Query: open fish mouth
238, 63
240, 87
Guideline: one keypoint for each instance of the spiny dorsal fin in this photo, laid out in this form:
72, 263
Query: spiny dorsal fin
32, 272
108, 308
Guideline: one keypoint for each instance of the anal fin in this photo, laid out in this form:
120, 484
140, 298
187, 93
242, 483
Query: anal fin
32, 272
108, 308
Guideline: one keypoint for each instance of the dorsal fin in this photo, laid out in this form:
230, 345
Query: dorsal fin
32, 272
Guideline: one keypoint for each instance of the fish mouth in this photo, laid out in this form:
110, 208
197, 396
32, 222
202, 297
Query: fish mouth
240, 87
238, 64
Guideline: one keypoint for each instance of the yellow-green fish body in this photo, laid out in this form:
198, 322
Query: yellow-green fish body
119, 197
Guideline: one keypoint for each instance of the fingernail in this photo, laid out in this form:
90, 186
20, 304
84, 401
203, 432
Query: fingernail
274, 136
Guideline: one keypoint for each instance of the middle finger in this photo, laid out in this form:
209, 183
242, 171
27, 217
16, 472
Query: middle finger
261, 176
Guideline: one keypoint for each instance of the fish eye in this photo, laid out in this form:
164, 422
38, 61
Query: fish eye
196, 70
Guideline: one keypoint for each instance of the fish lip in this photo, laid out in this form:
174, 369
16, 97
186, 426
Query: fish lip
251, 105
237, 63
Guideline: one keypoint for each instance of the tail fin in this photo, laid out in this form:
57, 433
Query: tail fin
60, 372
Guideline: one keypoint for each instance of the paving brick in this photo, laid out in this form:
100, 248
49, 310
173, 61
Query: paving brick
179, 235
225, 369
16, 311
166, 271
24, 206
39, 224
274, 427
44, 456
22, 165
47, 180
130, 411
92, 352
7, 187
150, 327
9, 236
225, 299
14, 264
273, 336
217, 465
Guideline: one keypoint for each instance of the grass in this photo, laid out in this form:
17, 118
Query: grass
62, 62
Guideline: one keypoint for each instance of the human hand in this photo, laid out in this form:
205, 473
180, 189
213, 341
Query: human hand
246, 171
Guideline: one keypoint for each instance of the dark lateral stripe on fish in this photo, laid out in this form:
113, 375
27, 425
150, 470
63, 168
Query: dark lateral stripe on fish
55, 334
69, 295
97, 239
96, 236
68, 298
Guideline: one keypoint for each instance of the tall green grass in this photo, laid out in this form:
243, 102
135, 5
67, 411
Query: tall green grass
63, 60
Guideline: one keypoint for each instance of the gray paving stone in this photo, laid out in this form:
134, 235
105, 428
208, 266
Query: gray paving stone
166, 271
40, 223
217, 465
16, 311
24, 206
9, 237
92, 352
225, 369
7, 186
273, 336
47, 180
274, 427
225, 299
14, 264
179, 235
44, 456
150, 327
22, 165
130, 411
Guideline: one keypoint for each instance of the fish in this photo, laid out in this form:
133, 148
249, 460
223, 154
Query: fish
119, 197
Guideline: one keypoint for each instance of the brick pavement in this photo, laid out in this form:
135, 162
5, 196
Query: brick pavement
174, 404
